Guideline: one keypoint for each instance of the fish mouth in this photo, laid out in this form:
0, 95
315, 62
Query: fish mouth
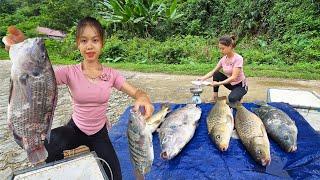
292, 149
265, 162
164, 155
223, 147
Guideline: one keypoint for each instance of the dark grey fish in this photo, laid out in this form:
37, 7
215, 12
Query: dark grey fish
33, 97
279, 126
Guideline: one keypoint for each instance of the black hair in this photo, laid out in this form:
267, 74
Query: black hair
90, 21
228, 40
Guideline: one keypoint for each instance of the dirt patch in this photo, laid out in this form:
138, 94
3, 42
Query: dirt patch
175, 88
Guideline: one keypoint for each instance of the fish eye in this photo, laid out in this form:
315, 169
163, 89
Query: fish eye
259, 152
217, 136
286, 137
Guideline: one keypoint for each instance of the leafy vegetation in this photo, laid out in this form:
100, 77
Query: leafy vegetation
276, 35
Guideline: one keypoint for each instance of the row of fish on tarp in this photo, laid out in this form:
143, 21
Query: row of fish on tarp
177, 128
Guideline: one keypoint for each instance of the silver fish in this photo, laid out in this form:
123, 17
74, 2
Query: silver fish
177, 130
33, 97
140, 143
156, 119
279, 126
220, 124
253, 135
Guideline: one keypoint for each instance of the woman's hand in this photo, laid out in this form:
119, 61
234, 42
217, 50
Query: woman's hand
201, 78
215, 83
14, 36
142, 99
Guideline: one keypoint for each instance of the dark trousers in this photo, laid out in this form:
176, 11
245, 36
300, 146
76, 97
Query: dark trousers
237, 90
70, 136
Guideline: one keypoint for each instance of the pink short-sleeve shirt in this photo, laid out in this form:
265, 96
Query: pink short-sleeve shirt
90, 100
228, 64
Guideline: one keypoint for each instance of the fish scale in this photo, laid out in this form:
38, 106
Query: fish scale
279, 126
140, 143
33, 97
220, 124
253, 135
177, 130
249, 128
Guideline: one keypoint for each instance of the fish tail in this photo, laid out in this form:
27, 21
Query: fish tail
38, 155
236, 105
165, 105
261, 103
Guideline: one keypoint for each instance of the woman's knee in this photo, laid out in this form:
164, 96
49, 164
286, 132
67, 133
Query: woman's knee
218, 76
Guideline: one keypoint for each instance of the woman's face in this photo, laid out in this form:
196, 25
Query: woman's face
90, 44
225, 49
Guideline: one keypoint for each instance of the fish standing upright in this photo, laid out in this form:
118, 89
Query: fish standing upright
220, 124
177, 130
279, 126
33, 97
140, 144
253, 135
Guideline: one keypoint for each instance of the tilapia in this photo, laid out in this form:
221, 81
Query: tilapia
253, 135
220, 124
155, 120
177, 130
33, 97
140, 143
279, 126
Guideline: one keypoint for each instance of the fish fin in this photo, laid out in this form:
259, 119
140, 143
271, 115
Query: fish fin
263, 130
37, 155
27, 89
11, 88
235, 105
230, 116
50, 117
48, 136
17, 139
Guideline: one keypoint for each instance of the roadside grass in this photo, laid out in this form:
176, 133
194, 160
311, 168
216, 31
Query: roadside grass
298, 71
306, 71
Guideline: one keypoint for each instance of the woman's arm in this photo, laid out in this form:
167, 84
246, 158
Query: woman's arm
141, 97
210, 74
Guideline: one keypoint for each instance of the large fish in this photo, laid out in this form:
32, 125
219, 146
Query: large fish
156, 119
33, 97
253, 135
140, 143
177, 130
279, 126
220, 123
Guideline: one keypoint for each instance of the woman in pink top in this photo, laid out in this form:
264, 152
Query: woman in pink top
90, 86
233, 76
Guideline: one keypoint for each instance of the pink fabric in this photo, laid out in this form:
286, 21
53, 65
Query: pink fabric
90, 100
228, 64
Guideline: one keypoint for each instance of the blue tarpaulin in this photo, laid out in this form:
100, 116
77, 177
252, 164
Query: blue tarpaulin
200, 159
